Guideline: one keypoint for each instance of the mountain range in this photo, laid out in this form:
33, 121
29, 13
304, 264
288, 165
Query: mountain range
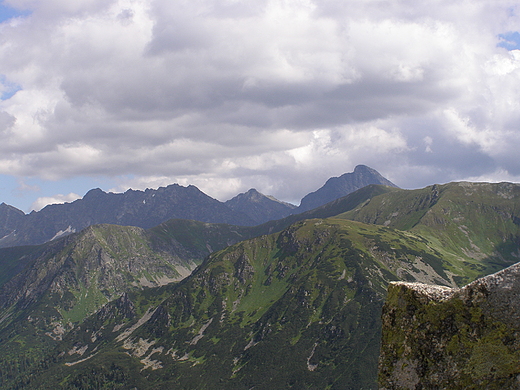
290, 303
149, 208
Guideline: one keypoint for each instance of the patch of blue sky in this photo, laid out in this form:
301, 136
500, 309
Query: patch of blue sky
7, 12
509, 40
23, 192
7, 89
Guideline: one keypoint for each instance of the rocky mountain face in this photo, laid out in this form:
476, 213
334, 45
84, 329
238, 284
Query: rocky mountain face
298, 309
337, 187
10, 219
149, 208
442, 338
143, 209
51, 287
260, 208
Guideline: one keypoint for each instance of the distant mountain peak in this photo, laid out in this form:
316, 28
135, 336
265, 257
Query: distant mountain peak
363, 168
252, 193
4, 208
151, 207
259, 207
337, 187
95, 192
144, 209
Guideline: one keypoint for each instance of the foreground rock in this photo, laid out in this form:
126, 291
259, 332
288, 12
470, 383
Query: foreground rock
436, 337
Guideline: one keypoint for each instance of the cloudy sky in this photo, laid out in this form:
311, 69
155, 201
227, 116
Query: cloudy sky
278, 95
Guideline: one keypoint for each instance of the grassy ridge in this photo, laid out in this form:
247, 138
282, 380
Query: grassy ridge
474, 226
298, 309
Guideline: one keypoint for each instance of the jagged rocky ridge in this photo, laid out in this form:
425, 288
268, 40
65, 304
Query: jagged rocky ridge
442, 338
149, 208
144, 209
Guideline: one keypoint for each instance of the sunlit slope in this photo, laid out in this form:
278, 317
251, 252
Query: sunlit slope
475, 226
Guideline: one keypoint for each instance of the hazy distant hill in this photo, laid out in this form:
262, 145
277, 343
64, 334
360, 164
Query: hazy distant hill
337, 187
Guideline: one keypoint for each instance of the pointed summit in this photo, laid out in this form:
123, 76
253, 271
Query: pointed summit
259, 207
10, 220
5, 209
337, 187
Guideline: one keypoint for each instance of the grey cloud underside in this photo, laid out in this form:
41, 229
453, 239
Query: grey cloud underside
292, 93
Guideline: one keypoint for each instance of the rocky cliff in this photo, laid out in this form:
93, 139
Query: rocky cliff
436, 337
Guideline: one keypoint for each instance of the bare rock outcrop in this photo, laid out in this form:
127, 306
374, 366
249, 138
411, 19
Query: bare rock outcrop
435, 337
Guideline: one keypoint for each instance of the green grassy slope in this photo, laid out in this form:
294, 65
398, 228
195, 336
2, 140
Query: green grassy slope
49, 289
475, 226
297, 309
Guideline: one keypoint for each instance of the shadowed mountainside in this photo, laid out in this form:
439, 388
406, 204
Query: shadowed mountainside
143, 209
149, 208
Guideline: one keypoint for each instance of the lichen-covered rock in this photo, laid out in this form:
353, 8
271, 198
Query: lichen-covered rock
436, 337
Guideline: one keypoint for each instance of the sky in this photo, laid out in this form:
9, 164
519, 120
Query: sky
277, 95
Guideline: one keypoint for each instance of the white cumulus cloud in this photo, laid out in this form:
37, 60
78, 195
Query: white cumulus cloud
57, 199
275, 95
